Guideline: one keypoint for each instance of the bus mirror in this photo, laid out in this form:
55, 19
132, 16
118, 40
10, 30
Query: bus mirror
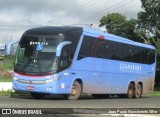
60, 46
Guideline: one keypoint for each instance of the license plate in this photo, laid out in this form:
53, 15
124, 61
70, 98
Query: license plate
30, 87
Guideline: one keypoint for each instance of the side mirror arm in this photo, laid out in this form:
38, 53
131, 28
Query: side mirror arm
60, 46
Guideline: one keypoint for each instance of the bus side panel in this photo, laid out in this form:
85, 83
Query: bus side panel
148, 84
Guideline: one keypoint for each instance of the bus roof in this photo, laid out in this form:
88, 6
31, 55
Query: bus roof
50, 30
55, 30
116, 38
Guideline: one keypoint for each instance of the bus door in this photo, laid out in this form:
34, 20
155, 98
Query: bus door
64, 53
98, 62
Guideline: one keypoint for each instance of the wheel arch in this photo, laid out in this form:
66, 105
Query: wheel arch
132, 82
141, 83
78, 80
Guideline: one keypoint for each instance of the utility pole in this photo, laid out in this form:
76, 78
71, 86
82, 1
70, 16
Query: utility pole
11, 37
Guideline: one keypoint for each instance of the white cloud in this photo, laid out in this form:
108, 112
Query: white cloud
16, 14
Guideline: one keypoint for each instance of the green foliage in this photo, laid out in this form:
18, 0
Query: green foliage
149, 26
5, 79
13, 93
7, 63
6, 66
6, 93
117, 24
157, 88
155, 93
19, 93
150, 18
113, 22
149, 23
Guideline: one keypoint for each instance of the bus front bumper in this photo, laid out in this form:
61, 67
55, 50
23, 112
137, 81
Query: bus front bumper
41, 88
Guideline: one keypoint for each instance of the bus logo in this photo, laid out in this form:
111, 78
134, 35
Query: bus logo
30, 82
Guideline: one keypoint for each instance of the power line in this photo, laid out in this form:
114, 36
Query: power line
68, 13
73, 11
102, 11
22, 27
108, 9
56, 5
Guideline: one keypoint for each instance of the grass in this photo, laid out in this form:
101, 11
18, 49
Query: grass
6, 93
5, 79
154, 93
13, 93
7, 63
6, 66
157, 88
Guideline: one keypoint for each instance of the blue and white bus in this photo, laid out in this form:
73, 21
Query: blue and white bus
73, 60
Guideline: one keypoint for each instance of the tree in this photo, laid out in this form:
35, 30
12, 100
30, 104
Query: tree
149, 23
149, 27
116, 23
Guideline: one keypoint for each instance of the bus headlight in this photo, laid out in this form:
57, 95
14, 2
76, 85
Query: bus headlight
15, 78
51, 80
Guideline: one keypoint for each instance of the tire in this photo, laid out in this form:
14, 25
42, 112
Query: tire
38, 95
100, 96
76, 91
131, 91
138, 91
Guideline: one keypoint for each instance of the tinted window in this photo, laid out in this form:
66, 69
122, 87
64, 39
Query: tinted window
86, 47
106, 49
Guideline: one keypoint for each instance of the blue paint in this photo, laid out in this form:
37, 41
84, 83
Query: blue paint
98, 75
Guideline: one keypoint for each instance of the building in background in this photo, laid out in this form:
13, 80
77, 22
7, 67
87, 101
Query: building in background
2, 50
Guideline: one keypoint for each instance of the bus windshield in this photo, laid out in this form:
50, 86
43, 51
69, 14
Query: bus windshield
36, 55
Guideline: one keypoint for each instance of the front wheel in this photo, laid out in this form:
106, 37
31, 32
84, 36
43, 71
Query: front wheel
38, 95
76, 91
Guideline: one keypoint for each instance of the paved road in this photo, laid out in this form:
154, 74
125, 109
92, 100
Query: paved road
83, 102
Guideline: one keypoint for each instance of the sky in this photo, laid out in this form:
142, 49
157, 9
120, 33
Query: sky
17, 16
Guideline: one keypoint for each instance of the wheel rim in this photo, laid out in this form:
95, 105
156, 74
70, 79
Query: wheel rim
139, 91
74, 90
130, 91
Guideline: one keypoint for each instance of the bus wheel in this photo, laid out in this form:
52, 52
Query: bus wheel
38, 95
131, 91
76, 91
100, 96
138, 91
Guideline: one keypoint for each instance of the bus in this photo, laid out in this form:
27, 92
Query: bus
2, 50
71, 61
